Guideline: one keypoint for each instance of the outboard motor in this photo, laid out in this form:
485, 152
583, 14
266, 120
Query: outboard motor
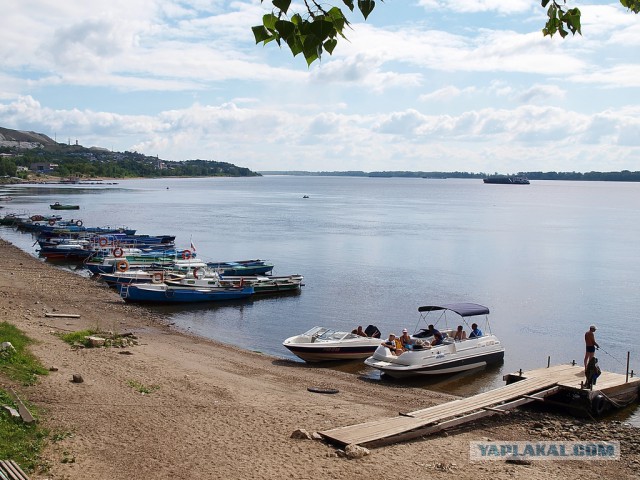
372, 331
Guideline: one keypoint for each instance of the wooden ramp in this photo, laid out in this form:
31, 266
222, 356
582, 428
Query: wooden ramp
439, 417
522, 388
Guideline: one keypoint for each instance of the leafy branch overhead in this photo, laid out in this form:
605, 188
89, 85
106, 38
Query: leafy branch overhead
317, 28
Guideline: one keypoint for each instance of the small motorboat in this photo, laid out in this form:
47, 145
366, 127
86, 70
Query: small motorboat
451, 355
321, 344
60, 206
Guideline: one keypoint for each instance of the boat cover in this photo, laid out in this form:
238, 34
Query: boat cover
462, 309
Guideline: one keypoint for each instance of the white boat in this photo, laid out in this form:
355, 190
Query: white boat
451, 355
320, 344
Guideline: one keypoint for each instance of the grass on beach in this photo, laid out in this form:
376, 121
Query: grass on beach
19, 441
78, 337
81, 337
19, 365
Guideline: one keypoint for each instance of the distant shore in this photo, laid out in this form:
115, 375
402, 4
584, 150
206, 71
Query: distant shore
215, 411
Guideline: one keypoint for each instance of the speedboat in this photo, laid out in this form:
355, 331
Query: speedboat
451, 355
320, 344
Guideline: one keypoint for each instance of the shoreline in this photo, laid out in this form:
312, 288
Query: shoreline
220, 411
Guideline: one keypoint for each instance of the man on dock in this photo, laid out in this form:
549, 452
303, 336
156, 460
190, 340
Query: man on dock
590, 341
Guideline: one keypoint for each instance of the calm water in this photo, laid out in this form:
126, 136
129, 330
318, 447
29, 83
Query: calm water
548, 259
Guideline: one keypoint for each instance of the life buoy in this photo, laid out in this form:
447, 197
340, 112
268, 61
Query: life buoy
122, 265
103, 242
196, 272
36, 218
158, 277
118, 252
186, 254
52, 222
78, 223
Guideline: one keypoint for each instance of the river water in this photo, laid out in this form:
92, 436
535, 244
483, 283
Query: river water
548, 259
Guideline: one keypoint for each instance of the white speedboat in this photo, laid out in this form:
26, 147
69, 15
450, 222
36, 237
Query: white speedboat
320, 344
451, 355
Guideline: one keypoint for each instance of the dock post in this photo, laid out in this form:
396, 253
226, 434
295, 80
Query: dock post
627, 378
548, 361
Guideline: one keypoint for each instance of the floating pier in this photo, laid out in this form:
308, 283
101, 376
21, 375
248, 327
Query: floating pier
560, 384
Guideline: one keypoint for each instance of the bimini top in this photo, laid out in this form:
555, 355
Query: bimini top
462, 309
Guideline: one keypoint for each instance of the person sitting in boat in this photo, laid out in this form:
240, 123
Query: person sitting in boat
437, 339
406, 340
359, 331
393, 344
475, 331
437, 336
460, 334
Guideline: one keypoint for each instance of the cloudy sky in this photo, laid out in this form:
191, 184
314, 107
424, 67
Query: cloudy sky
428, 85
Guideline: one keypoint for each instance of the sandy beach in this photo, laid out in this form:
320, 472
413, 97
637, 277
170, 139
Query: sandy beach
215, 411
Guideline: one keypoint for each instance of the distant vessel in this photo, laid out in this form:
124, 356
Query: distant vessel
507, 179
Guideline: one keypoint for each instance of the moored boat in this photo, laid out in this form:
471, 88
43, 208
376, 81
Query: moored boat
450, 355
163, 293
242, 267
507, 180
322, 344
61, 206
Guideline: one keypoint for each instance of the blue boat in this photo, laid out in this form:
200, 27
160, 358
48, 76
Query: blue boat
162, 293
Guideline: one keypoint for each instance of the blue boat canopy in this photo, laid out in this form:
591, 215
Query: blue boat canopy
462, 309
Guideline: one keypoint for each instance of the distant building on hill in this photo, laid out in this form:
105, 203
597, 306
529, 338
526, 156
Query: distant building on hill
43, 167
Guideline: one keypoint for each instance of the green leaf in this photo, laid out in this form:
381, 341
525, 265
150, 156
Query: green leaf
348, 3
633, 5
285, 28
260, 33
330, 44
366, 7
572, 20
295, 45
269, 21
311, 48
322, 29
282, 5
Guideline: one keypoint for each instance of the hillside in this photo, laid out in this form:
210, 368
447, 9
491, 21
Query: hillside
26, 153
13, 138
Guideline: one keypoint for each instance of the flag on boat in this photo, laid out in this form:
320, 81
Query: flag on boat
193, 247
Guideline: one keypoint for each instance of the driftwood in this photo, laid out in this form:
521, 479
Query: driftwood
22, 409
62, 315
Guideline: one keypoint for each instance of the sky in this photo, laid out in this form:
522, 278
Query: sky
422, 85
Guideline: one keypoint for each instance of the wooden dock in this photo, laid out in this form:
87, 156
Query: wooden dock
521, 388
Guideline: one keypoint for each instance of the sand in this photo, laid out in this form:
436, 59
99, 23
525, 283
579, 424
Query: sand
214, 411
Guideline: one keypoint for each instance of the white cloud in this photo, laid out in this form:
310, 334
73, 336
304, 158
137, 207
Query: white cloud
184, 79
475, 6
447, 93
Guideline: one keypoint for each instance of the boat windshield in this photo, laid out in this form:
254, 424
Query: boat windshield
328, 334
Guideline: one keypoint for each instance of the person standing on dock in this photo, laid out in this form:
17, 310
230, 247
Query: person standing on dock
590, 341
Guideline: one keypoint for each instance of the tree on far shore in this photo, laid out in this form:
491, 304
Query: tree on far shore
317, 28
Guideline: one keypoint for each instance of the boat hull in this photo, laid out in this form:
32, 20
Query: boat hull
322, 344
447, 358
443, 368
331, 352
145, 293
